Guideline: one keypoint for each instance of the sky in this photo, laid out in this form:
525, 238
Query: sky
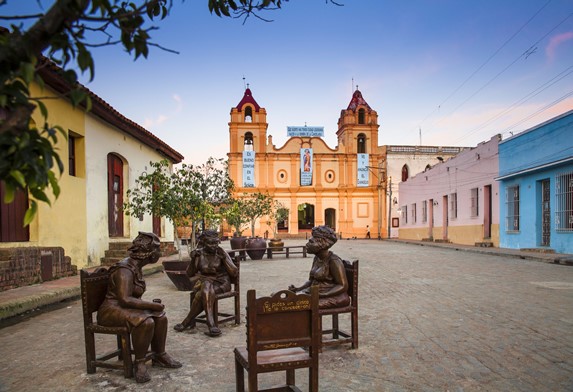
438, 72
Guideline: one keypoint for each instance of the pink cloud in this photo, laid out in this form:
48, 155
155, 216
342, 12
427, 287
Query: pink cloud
555, 42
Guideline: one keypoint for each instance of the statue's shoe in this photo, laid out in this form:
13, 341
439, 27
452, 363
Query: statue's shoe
164, 360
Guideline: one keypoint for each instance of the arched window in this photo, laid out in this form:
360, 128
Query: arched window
405, 173
361, 116
361, 144
248, 141
248, 114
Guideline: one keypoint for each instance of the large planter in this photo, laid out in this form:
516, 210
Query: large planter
256, 247
276, 244
238, 242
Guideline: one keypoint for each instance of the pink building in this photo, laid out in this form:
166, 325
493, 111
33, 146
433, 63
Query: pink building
456, 200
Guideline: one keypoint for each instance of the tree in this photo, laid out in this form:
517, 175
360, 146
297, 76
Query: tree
255, 206
277, 214
234, 214
65, 34
187, 196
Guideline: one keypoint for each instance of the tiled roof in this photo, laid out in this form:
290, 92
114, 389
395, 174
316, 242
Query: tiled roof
52, 76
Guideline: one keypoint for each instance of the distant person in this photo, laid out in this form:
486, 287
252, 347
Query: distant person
367, 231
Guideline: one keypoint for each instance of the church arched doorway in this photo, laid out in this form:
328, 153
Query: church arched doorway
305, 216
330, 218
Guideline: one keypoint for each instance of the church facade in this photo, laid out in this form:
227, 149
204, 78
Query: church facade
347, 187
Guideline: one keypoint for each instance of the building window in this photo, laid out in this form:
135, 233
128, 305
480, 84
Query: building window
405, 214
248, 141
474, 202
564, 202
361, 144
453, 205
361, 116
71, 155
512, 207
248, 114
413, 213
329, 176
424, 211
404, 173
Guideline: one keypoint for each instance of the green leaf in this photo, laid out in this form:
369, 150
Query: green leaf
9, 193
30, 213
19, 177
27, 72
43, 109
40, 195
54, 183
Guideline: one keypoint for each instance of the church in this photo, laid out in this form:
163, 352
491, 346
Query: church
351, 187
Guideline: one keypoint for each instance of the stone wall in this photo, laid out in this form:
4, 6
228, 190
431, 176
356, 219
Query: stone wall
29, 265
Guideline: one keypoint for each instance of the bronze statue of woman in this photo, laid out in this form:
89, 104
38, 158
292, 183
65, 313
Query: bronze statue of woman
123, 306
327, 270
211, 268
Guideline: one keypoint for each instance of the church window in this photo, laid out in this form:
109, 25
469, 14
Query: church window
248, 141
405, 174
248, 114
361, 116
361, 144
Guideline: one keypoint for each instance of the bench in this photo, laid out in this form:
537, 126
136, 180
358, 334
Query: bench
285, 250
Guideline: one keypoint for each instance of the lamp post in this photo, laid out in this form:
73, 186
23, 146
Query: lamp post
389, 205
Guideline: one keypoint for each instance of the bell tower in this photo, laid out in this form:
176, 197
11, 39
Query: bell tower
247, 132
358, 127
248, 126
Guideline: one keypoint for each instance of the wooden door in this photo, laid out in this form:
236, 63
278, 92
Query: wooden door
115, 195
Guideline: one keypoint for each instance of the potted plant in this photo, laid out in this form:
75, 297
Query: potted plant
255, 206
235, 217
278, 214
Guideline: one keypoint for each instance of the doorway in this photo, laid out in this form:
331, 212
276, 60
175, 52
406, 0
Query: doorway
545, 214
487, 215
330, 218
305, 216
115, 195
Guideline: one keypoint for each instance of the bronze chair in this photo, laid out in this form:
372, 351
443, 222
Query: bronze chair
282, 335
339, 336
93, 288
222, 317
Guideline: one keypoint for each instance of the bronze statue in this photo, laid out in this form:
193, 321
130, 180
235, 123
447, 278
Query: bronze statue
211, 269
123, 306
327, 270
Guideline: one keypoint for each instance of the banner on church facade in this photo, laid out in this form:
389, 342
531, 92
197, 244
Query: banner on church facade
306, 166
248, 169
362, 175
305, 131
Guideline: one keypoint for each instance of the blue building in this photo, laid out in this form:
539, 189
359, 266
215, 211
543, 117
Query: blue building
536, 187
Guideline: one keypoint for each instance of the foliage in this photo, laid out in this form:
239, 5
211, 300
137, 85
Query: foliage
234, 214
65, 34
187, 196
255, 206
277, 214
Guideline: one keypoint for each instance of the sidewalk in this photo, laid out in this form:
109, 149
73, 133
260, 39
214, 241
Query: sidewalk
23, 301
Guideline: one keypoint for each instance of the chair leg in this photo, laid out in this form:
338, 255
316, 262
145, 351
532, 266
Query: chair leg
126, 353
120, 348
239, 377
253, 380
313, 379
290, 377
354, 326
237, 309
335, 326
216, 313
90, 352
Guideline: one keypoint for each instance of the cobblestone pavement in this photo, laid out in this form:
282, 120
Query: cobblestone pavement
430, 319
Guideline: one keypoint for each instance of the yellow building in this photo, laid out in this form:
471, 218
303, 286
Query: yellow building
103, 154
346, 187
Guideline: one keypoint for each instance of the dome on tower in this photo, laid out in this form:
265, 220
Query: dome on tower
248, 98
357, 100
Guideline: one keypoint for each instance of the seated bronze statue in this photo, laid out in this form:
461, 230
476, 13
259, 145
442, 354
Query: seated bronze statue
327, 270
211, 269
123, 306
